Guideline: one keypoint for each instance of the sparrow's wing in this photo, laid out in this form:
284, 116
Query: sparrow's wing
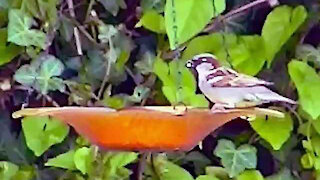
226, 77
263, 94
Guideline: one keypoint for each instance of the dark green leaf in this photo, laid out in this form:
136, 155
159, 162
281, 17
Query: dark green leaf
41, 74
66, 28
157, 5
284, 174
19, 31
145, 65
113, 6
7, 52
308, 53
236, 160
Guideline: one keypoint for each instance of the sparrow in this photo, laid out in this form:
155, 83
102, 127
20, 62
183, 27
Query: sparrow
227, 88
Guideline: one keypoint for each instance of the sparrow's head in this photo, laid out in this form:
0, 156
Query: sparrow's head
203, 62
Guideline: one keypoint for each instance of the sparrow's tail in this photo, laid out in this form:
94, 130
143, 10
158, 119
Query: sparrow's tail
271, 96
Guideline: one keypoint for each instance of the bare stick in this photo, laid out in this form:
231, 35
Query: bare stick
141, 165
236, 11
75, 30
48, 98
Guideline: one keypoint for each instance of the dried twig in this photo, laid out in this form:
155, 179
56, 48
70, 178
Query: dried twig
230, 14
141, 165
75, 29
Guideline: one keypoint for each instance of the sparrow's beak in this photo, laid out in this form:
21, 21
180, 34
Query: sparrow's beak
189, 64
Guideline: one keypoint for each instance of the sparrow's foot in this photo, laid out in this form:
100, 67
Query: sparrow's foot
218, 108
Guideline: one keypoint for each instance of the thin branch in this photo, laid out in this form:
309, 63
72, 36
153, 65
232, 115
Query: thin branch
221, 18
141, 165
49, 99
75, 30
89, 9
105, 79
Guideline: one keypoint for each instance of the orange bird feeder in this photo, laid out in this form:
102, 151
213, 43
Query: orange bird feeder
140, 128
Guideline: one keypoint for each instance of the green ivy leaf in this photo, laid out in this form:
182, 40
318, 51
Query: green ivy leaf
152, 21
308, 53
67, 28
279, 26
145, 65
140, 92
7, 170
41, 74
65, 160
43, 132
236, 160
183, 19
7, 53
219, 6
284, 174
19, 31
307, 82
106, 33
157, 5
274, 130
80, 94
113, 6
179, 84
83, 158
115, 164
250, 175
199, 161
42, 9
206, 177
167, 170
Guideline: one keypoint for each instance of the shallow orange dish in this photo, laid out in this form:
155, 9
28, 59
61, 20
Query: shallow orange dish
140, 128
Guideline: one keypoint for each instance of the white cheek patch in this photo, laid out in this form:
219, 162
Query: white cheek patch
204, 67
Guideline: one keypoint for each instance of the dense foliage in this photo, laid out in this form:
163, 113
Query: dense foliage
119, 53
